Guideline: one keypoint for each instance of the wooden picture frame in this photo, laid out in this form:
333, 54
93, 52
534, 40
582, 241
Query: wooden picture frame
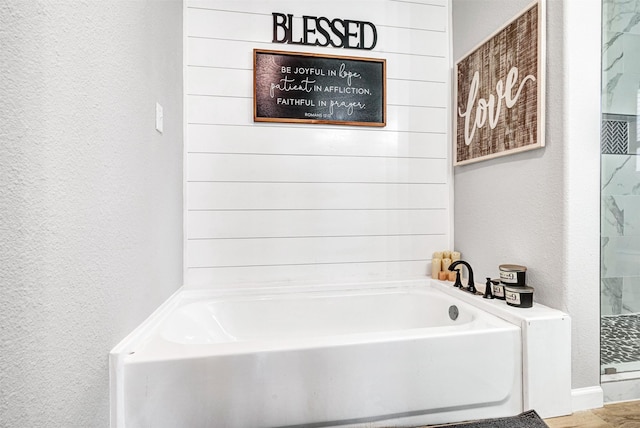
499, 91
320, 89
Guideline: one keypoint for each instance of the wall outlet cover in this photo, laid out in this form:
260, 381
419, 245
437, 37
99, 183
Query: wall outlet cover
159, 118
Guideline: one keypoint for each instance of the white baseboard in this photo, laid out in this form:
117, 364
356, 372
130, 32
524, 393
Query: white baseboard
591, 397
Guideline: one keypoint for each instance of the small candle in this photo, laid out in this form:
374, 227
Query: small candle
452, 275
442, 275
446, 263
436, 265
455, 255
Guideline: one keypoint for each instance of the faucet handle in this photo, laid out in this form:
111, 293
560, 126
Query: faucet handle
458, 282
488, 289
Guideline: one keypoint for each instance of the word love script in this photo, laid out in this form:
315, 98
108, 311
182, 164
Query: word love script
490, 109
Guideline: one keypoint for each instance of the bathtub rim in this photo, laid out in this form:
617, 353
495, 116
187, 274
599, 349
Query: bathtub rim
184, 296
472, 319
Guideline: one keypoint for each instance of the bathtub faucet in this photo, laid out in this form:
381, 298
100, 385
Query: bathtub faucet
471, 288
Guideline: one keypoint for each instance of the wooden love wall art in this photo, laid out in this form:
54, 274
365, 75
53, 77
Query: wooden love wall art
499, 91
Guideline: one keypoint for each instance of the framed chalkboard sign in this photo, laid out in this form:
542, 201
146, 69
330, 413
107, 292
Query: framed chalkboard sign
326, 89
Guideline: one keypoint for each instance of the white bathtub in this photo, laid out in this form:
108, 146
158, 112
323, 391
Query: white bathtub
387, 355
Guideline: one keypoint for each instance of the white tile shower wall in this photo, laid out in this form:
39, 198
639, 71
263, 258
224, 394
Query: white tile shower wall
620, 231
621, 57
620, 227
290, 203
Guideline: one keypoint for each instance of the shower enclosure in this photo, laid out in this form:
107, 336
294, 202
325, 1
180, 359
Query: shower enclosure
620, 187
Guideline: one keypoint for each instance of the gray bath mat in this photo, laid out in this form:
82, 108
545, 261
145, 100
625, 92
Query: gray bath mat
528, 419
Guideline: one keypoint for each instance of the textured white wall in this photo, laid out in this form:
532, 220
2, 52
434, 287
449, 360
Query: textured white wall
291, 203
541, 208
90, 196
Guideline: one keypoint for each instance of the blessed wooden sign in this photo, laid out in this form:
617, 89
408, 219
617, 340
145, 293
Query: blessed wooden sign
298, 87
322, 31
500, 91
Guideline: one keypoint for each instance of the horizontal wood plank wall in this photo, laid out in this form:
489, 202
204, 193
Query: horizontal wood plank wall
275, 203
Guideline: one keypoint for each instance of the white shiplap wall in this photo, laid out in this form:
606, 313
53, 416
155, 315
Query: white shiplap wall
289, 203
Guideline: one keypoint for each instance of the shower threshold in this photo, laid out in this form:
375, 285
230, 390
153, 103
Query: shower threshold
615, 370
619, 387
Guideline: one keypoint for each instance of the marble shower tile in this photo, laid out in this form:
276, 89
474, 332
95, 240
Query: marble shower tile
620, 216
621, 16
620, 175
634, 142
611, 296
612, 217
631, 295
620, 93
630, 207
613, 54
631, 49
620, 256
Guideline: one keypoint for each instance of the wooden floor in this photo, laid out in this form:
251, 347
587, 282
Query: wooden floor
619, 415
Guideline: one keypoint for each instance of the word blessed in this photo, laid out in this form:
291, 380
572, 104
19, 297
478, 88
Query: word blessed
321, 31
490, 110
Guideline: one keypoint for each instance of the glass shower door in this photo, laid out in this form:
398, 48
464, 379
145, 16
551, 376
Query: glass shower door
620, 187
